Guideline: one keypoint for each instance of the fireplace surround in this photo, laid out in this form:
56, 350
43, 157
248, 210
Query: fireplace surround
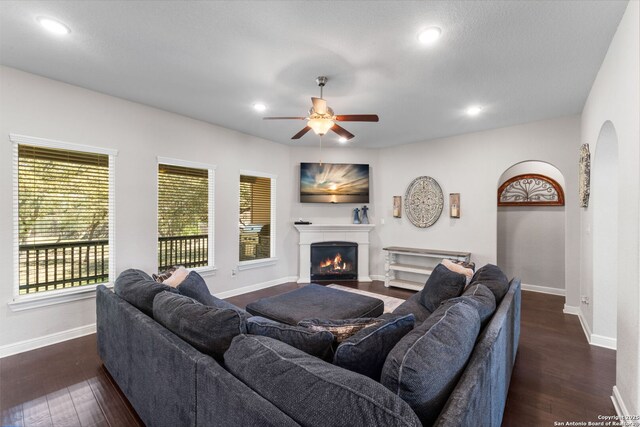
314, 233
334, 261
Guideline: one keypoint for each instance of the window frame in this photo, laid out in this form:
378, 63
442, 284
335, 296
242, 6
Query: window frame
58, 296
211, 267
246, 265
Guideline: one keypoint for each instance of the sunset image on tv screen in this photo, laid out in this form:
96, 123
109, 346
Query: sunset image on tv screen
334, 183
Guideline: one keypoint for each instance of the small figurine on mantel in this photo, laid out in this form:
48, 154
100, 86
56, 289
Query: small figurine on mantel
365, 216
356, 216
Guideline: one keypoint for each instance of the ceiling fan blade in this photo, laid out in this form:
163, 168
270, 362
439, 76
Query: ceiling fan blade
319, 105
301, 133
358, 118
342, 131
285, 118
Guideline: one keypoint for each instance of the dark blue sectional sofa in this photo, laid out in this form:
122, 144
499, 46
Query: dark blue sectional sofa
170, 383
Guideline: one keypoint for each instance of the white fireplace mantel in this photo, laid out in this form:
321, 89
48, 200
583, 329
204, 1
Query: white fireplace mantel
314, 233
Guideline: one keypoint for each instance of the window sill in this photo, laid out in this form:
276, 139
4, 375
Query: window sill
28, 302
205, 271
246, 265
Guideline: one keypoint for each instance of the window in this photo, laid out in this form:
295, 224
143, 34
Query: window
64, 213
185, 214
257, 217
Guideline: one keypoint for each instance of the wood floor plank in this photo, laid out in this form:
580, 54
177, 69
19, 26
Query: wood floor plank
87, 407
62, 410
36, 413
111, 403
12, 416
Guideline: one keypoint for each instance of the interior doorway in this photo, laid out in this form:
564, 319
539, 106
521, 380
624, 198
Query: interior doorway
531, 238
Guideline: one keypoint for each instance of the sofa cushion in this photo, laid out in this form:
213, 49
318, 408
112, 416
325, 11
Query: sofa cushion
424, 367
340, 328
414, 306
139, 289
482, 299
366, 351
311, 391
493, 278
315, 343
195, 287
208, 329
479, 297
441, 285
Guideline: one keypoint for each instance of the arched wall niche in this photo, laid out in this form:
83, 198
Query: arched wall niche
604, 204
531, 239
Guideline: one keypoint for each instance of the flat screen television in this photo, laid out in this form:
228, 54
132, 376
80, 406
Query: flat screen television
334, 183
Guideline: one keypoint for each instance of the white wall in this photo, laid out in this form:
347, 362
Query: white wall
615, 97
40, 107
531, 238
472, 165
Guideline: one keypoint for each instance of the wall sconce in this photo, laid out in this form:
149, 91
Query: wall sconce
397, 206
454, 205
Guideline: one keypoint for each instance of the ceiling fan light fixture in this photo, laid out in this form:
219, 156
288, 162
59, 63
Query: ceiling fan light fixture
429, 35
320, 126
342, 140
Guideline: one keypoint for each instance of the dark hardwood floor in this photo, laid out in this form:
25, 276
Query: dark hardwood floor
557, 376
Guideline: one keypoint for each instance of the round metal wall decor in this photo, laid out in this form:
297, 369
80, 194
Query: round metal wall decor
423, 201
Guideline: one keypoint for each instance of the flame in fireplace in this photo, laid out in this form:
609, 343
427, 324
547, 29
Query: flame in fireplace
336, 263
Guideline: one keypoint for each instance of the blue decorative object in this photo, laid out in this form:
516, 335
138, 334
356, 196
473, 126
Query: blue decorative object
365, 216
356, 216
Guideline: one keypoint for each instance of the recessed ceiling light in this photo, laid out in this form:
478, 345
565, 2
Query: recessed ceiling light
342, 139
474, 110
259, 106
53, 26
429, 35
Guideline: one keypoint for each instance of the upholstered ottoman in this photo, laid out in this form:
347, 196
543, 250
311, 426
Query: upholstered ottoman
316, 302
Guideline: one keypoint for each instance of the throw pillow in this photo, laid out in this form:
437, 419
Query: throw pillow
341, 329
441, 285
458, 268
208, 329
493, 278
195, 287
365, 351
176, 277
315, 343
164, 275
138, 289
311, 391
424, 367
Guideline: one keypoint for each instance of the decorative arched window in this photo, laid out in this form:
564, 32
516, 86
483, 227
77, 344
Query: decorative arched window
530, 190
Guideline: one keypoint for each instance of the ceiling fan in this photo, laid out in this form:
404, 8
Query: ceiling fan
322, 119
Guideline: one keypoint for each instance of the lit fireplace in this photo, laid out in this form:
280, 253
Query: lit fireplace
334, 261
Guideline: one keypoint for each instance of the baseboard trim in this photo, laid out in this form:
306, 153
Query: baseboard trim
602, 341
32, 344
543, 289
592, 339
570, 309
256, 287
377, 277
618, 403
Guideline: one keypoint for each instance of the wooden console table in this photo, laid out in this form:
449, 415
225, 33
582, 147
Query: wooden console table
391, 266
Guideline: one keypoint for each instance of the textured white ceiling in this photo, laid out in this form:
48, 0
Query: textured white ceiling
522, 60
